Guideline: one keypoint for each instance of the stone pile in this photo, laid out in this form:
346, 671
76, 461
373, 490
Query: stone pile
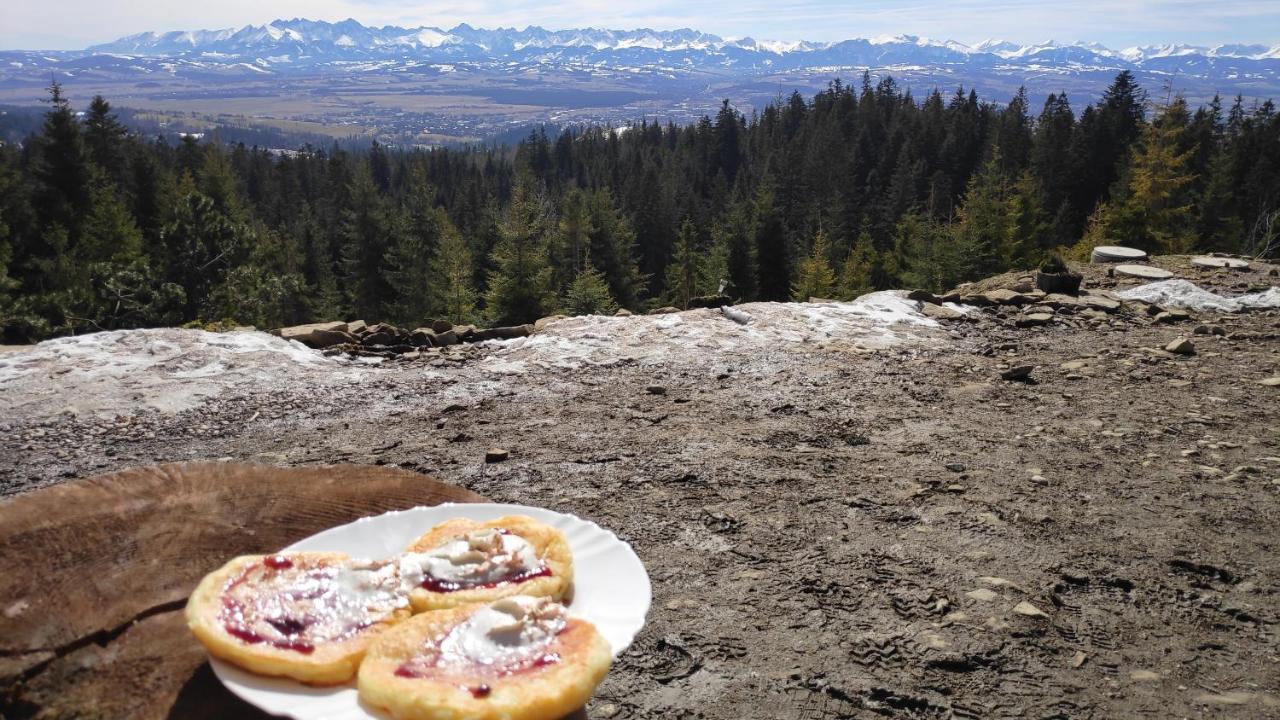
1024, 306
360, 338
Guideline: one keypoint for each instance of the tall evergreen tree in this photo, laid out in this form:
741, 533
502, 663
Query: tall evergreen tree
521, 286
814, 276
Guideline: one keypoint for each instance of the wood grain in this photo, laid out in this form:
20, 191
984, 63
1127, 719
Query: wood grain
94, 574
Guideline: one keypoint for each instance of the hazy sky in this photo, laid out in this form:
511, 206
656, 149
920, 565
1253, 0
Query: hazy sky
63, 24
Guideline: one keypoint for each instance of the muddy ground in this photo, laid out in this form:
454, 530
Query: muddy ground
830, 533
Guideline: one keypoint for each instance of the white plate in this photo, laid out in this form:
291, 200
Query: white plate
610, 589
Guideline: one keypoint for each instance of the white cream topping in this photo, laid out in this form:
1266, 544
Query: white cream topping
321, 603
479, 557
509, 631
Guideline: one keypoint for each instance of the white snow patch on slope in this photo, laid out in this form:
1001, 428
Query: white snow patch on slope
124, 371
877, 320
1186, 294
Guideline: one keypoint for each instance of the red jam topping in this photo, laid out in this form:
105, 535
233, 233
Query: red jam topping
294, 607
480, 691
444, 586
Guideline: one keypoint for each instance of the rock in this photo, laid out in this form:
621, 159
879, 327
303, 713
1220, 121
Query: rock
1026, 609
317, 335
496, 455
1144, 676
1145, 272
938, 312
1105, 304
464, 332
1034, 319
923, 296
1172, 315
656, 390
1018, 372
1181, 346
1078, 659
439, 326
1270, 382
667, 310
955, 467
449, 337
423, 337
982, 595
380, 337
1116, 253
1074, 365
501, 333
710, 301
736, 315
357, 327
542, 323
1004, 296
622, 312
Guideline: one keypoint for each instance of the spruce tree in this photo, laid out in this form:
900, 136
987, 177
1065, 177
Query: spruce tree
588, 294
814, 276
521, 284
858, 269
682, 271
455, 296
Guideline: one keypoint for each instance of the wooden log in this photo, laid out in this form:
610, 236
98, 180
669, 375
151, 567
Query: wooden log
94, 575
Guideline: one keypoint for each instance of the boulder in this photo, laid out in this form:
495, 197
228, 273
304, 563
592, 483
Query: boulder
667, 310
439, 326
923, 296
448, 337
464, 332
1181, 346
380, 337
357, 327
423, 337
1018, 372
501, 333
940, 312
622, 312
544, 322
317, 335
1005, 296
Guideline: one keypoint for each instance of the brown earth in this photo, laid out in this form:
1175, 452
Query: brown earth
897, 533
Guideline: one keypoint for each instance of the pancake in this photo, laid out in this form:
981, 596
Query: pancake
518, 658
306, 616
463, 562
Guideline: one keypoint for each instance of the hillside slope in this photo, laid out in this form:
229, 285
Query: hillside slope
835, 527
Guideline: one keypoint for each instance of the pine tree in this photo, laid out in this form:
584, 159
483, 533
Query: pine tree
408, 270
104, 137
814, 276
588, 294
521, 285
772, 256
366, 231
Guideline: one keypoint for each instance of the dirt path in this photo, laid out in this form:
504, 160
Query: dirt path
842, 533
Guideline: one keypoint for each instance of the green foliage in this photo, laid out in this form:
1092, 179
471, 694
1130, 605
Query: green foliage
588, 294
102, 228
455, 298
682, 272
521, 284
814, 276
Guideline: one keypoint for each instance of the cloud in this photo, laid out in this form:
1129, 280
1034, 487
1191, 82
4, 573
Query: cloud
1118, 24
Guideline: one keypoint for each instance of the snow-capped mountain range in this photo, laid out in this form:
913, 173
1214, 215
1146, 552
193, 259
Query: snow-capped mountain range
301, 40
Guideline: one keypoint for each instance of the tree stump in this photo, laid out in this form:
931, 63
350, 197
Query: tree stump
94, 575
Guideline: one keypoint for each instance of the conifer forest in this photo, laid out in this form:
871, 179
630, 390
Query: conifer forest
861, 187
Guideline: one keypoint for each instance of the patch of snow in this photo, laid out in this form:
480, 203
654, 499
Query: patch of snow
1186, 294
874, 321
123, 371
